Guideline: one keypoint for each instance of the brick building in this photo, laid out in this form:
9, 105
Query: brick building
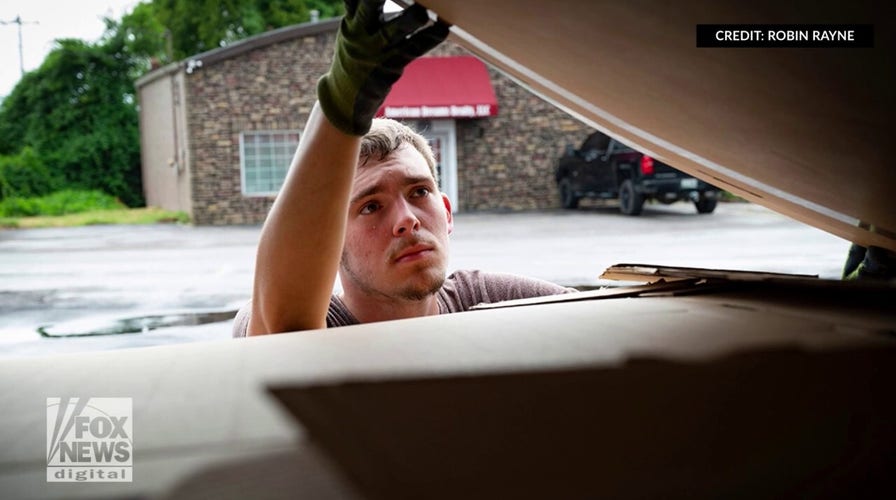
218, 130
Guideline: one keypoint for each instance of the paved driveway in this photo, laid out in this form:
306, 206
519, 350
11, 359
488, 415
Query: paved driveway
81, 279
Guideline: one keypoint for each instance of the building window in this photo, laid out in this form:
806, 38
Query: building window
264, 159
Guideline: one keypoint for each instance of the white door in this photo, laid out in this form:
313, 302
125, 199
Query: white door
441, 137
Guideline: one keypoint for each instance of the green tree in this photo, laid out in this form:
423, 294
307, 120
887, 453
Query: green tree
327, 8
199, 25
143, 36
77, 110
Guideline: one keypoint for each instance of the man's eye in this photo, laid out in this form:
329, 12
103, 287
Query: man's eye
420, 192
370, 208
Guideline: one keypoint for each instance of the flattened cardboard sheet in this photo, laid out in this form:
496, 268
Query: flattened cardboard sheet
759, 389
756, 286
801, 131
782, 423
198, 404
648, 273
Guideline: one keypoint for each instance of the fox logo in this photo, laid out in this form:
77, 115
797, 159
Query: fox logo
89, 439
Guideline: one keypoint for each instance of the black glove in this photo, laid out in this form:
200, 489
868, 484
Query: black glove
370, 56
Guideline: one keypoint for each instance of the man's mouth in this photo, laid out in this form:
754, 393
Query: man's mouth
413, 253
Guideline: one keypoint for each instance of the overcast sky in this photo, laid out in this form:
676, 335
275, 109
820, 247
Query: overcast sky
56, 19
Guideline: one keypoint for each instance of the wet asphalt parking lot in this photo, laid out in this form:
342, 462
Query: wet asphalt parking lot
88, 279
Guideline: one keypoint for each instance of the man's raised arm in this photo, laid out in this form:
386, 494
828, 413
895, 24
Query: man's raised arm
301, 241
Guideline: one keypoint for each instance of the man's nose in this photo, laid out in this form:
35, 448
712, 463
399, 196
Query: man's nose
405, 220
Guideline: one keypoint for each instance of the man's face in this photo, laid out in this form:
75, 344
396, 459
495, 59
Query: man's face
396, 242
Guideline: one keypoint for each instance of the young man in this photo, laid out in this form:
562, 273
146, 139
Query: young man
361, 198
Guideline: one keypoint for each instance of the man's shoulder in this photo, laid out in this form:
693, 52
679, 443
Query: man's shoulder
477, 277
466, 288
338, 313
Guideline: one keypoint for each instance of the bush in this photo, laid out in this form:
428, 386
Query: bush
78, 111
59, 203
25, 175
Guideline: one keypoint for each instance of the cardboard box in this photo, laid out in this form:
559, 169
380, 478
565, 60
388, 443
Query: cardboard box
756, 388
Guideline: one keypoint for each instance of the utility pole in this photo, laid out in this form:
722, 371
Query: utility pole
18, 20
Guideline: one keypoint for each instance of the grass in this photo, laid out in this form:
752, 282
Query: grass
730, 197
149, 215
66, 201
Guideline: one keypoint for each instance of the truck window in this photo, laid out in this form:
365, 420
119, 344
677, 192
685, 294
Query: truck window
596, 141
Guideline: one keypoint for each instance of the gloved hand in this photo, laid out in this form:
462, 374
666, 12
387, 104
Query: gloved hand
370, 56
876, 263
869, 262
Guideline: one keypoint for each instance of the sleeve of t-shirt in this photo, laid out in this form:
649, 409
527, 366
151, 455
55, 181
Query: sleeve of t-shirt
461, 291
337, 315
465, 289
241, 321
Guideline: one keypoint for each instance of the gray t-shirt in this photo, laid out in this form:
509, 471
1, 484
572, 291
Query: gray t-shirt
461, 291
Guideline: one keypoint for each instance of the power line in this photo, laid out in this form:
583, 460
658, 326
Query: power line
18, 20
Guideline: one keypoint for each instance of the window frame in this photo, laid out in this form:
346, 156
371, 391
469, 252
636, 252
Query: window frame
272, 156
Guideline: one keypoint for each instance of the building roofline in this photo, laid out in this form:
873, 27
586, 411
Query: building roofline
267, 38
157, 73
240, 47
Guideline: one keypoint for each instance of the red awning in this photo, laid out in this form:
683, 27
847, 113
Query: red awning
442, 87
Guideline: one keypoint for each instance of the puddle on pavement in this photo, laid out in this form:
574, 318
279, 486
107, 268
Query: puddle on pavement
137, 324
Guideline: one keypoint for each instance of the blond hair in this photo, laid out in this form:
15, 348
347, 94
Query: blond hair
387, 135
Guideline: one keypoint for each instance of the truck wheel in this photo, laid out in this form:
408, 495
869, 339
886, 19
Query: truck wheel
568, 198
630, 201
705, 205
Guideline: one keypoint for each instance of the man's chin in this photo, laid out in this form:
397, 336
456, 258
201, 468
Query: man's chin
424, 284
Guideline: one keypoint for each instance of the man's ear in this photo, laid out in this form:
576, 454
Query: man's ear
447, 203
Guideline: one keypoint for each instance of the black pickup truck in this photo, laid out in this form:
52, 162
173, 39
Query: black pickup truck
606, 169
